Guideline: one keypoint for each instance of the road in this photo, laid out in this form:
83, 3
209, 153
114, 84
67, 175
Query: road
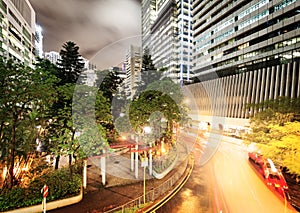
226, 183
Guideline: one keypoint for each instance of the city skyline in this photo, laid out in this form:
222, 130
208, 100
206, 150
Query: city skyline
99, 28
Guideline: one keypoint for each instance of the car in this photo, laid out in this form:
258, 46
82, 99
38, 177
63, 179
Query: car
272, 176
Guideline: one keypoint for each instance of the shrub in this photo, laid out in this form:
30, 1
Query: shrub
59, 185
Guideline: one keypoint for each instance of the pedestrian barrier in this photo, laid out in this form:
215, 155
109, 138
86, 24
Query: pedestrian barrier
156, 193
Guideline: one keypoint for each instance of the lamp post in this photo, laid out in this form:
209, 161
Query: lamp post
144, 164
132, 155
136, 158
147, 130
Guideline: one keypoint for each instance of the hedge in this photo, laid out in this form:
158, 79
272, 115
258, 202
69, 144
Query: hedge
59, 186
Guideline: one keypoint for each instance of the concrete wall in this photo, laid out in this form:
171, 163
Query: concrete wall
226, 99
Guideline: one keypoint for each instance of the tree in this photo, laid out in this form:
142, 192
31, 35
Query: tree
282, 145
164, 97
149, 72
26, 95
90, 110
147, 62
108, 82
71, 63
61, 131
275, 111
275, 130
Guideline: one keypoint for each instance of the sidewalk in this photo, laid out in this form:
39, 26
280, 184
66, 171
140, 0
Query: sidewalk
121, 184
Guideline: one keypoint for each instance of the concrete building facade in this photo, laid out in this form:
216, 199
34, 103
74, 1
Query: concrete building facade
39, 41
167, 32
245, 52
231, 37
133, 69
17, 39
53, 56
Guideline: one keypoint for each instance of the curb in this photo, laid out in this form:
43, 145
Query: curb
159, 203
163, 174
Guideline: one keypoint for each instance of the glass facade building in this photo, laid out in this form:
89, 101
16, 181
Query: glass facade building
232, 37
245, 52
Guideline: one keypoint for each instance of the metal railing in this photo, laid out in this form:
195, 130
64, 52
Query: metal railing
152, 195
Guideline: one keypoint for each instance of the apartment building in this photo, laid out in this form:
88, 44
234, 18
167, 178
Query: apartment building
52, 56
167, 32
133, 69
39, 41
17, 38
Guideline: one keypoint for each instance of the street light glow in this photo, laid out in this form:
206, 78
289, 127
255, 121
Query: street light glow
147, 129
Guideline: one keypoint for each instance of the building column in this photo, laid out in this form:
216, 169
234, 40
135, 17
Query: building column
267, 85
293, 80
254, 87
240, 87
298, 88
245, 83
277, 78
230, 95
263, 85
250, 74
272, 90
288, 80
282, 80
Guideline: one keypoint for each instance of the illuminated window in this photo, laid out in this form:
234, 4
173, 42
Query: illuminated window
283, 4
253, 8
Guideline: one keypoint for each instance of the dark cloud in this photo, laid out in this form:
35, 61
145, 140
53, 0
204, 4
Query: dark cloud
91, 24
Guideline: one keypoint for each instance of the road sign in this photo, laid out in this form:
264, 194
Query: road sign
144, 162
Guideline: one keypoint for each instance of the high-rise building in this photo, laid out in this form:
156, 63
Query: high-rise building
133, 69
39, 41
148, 19
17, 38
238, 36
167, 33
245, 52
52, 56
88, 65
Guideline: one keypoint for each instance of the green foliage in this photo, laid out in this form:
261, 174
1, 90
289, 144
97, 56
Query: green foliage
19, 197
147, 62
149, 72
60, 130
276, 131
91, 114
164, 96
275, 111
103, 114
71, 64
161, 163
108, 82
122, 124
283, 145
26, 95
93, 141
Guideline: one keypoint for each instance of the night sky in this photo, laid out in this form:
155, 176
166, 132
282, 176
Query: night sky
103, 29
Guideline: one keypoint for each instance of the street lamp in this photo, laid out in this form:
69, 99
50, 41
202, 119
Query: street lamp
144, 164
147, 130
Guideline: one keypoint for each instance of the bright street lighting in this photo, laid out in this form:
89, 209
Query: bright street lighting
147, 129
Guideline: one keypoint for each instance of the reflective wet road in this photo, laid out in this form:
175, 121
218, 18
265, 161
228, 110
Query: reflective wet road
226, 183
